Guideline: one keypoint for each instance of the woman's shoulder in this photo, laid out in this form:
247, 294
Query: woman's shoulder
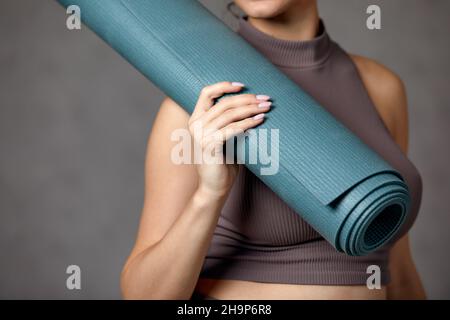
379, 77
387, 92
169, 106
171, 112
169, 117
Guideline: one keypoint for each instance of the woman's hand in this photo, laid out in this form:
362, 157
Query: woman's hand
212, 124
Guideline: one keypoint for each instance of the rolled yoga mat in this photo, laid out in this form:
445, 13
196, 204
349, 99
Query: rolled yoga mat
342, 188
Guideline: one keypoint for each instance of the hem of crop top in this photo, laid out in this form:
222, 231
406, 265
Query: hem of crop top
272, 267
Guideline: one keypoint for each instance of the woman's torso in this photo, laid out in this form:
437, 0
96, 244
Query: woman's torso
262, 249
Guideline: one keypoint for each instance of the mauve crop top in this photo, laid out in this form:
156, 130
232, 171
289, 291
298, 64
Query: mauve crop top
258, 237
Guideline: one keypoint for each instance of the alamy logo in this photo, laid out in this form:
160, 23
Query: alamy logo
73, 21
374, 280
374, 20
256, 151
73, 281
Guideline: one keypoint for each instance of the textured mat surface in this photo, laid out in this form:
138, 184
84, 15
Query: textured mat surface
349, 194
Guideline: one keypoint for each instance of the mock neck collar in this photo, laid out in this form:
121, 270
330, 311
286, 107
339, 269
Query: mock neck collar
287, 52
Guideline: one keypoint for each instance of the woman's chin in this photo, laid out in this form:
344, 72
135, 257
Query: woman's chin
263, 9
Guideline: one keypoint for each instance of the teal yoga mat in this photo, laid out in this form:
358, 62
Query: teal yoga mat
342, 188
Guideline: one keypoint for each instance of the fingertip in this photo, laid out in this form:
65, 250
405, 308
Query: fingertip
237, 84
259, 116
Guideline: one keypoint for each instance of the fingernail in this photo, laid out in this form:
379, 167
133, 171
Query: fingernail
258, 116
265, 104
237, 84
262, 97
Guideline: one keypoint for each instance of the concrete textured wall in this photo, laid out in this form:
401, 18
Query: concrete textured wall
74, 120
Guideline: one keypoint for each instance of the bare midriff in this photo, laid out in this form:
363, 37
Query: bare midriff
249, 290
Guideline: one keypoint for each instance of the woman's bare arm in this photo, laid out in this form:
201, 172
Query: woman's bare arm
405, 283
389, 96
171, 195
182, 201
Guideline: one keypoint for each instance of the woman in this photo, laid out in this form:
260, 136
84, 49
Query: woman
216, 231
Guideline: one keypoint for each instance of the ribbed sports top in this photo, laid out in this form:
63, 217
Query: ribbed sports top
258, 237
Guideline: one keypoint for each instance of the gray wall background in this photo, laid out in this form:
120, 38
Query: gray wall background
74, 120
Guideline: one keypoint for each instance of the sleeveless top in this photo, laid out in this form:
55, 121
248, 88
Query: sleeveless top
258, 237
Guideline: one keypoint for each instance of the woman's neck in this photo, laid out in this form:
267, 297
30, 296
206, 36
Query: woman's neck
299, 23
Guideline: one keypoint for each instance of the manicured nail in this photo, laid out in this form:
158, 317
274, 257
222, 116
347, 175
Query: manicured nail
265, 104
258, 116
237, 84
262, 97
